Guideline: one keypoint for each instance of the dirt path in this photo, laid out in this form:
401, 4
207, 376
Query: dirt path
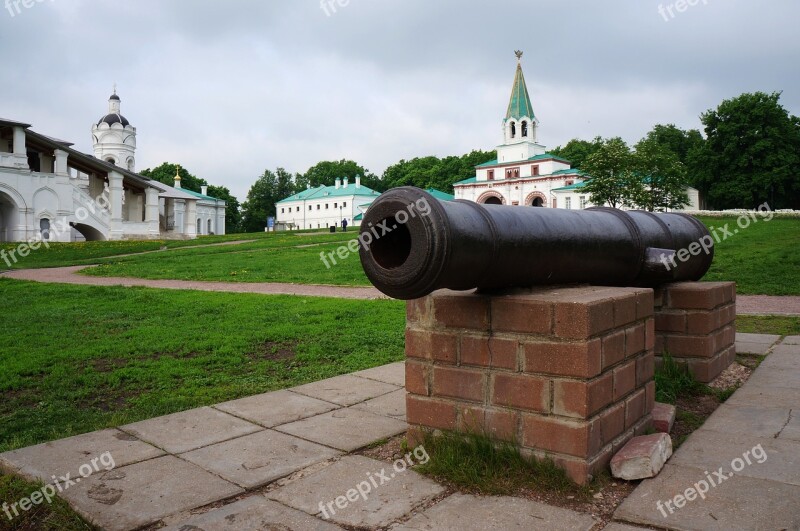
69, 275
745, 304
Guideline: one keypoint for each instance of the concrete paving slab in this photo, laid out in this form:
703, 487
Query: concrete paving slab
388, 495
792, 429
752, 420
188, 430
781, 361
66, 456
744, 347
255, 460
791, 340
772, 376
345, 429
466, 512
785, 348
614, 526
393, 373
345, 390
729, 453
255, 512
737, 503
391, 405
764, 339
273, 409
141, 494
778, 397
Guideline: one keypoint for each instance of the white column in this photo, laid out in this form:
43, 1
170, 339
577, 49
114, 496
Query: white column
61, 163
190, 219
20, 152
151, 211
115, 192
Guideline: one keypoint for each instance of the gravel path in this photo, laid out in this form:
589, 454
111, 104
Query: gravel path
69, 275
745, 304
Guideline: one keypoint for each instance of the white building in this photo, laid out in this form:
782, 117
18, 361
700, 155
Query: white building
49, 190
326, 206
524, 173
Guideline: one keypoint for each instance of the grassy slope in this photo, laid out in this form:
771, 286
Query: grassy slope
78, 358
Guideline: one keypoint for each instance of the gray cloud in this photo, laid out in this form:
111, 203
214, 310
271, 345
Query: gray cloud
230, 88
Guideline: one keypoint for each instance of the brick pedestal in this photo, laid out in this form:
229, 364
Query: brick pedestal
696, 325
563, 372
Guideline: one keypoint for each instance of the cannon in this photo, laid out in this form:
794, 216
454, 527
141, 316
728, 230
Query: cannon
413, 244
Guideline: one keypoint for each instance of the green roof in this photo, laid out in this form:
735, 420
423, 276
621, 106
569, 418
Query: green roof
543, 156
441, 196
358, 217
467, 181
520, 103
322, 192
199, 195
570, 187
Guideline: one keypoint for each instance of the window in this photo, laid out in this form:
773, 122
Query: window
512, 173
44, 228
569, 183
336, 205
513, 129
283, 211
524, 128
199, 226
568, 203
535, 170
317, 209
582, 201
554, 203
344, 205
490, 175
209, 227
326, 206
309, 207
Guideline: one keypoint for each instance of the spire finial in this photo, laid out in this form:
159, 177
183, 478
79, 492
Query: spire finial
115, 88
518, 53
177, 172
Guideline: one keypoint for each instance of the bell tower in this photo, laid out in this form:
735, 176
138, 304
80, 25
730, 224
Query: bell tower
520, 126
114, 138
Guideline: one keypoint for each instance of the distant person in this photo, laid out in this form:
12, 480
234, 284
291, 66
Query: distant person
344, 225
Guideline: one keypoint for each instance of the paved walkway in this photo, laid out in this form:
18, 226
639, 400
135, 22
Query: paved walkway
283, 460
275, 461
745, 459
745, 304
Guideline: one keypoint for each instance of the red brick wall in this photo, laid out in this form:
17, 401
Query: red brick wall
696, 324
564, 372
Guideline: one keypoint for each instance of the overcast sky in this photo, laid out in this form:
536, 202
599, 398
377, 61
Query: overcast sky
229, 88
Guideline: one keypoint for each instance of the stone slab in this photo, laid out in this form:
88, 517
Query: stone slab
786, 348
738, 503
391, 405
466, 512
345, 429
393, 373
781, 361
791, 340
395, 495
778, 397
345, 390
753, 420
615, 526
141, 494
771, 376
763, 339
66, 456
792, 429
273, 409
255, 512
712, 451
744, 347
255, 460
642, 457
188, 430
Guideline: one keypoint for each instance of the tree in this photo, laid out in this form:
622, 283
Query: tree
662, 174
752, 153
612, 181
326, 172
268, 189
165, 174
576, 151
433, 172
678, 141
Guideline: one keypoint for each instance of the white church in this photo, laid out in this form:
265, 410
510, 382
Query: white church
50, 191
524, 173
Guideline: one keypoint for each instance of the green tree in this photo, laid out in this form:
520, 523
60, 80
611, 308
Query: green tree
326, 172
268, 189
613, 181
433, 172
662, 174
577, 151
165, 174
752, 153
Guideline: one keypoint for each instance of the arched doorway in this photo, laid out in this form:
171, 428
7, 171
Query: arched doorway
491, 198
9, 217
89, 233
537, 202
492, 201
536, 199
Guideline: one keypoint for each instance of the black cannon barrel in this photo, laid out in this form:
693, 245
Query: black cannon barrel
413, 244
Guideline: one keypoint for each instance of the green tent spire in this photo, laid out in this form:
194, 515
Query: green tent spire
520, 103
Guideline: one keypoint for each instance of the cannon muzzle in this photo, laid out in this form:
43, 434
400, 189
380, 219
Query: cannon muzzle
413, 244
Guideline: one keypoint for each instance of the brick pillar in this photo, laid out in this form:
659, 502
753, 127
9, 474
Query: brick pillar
696, 325
565, 373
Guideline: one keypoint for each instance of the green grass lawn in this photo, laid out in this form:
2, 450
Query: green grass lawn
80, 358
